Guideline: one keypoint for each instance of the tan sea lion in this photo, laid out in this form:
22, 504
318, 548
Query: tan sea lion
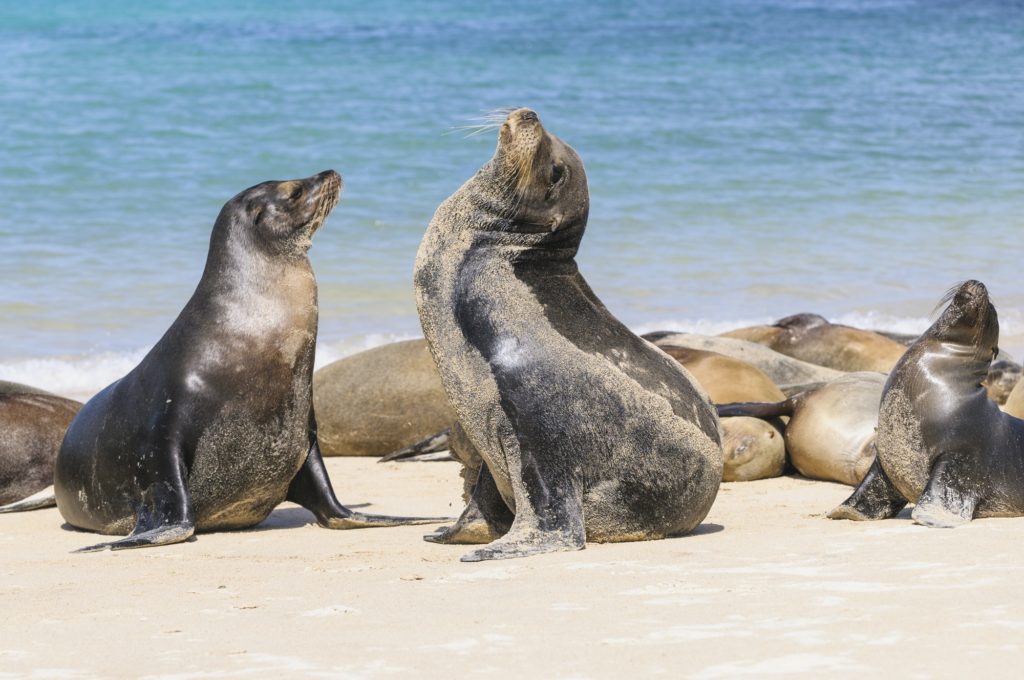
831, 430
781, 369
586, 431
753, 448
813, 339
376, 401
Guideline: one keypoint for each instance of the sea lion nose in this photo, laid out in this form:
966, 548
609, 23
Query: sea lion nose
974, 289
526, 115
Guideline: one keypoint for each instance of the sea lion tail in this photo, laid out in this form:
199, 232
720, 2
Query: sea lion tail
755, 409
432, 444
43, 499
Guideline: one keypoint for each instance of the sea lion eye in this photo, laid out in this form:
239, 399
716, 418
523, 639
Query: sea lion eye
296, 193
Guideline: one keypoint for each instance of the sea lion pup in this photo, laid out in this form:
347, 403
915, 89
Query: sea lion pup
376, 401
753, 448
831, 430
782, 370
942, 443
585, 430
813, 339
215, 426
32, 426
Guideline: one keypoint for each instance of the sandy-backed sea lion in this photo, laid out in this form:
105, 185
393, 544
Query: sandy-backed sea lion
215, 426
753, 448
586, 431
813, 339
942, 443
32, 426
782, 370
376, 401
831, 430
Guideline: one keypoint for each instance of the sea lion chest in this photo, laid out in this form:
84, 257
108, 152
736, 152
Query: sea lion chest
252, 417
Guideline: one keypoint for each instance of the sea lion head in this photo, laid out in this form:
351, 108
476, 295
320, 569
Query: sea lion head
969, 321
541, 178
279, 218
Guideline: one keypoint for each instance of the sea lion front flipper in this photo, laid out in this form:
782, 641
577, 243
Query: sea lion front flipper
485, 518
944, 503
875, 498
311, 488
164, 515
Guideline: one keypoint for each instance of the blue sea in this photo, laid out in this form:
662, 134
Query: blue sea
748, 159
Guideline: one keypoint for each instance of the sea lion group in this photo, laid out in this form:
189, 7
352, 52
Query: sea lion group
570, 427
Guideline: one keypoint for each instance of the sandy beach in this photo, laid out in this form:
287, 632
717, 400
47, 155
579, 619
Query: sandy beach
765, 587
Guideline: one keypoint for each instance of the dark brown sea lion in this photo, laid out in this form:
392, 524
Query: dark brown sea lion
586, 431
376, 401
32, 426
215, 427
942, 443
813, 339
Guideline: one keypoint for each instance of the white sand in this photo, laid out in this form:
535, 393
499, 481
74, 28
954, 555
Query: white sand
766, 587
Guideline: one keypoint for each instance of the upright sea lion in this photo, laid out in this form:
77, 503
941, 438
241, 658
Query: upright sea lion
215, 426
831, 430
942, 443
585, 430
376, 401
32, 426
753, 448
813, 339
782, 370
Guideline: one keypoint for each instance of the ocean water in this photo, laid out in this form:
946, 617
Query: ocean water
747, 159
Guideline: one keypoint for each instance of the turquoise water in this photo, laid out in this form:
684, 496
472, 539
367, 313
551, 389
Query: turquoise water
747, 159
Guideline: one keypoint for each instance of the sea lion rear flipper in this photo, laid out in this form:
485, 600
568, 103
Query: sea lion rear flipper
754, 409
432, 444
944, 503
311, 488
485, 518
164, 515
875, 498
43, 499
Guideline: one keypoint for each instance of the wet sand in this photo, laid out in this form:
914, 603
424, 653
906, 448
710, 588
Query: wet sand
766, 587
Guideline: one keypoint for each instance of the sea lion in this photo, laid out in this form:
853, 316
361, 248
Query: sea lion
753, 448
782, 370
1014, 404
215, 427
831, 430
942, 443
811, 338
32, 426
586, 431
376, 401
1003, 377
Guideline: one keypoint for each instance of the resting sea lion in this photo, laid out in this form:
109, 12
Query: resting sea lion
942, 443
1003, 377
752, 448
831, 430
813, 339
32, 426
376, 401
585, 430
215, 426
782, 370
